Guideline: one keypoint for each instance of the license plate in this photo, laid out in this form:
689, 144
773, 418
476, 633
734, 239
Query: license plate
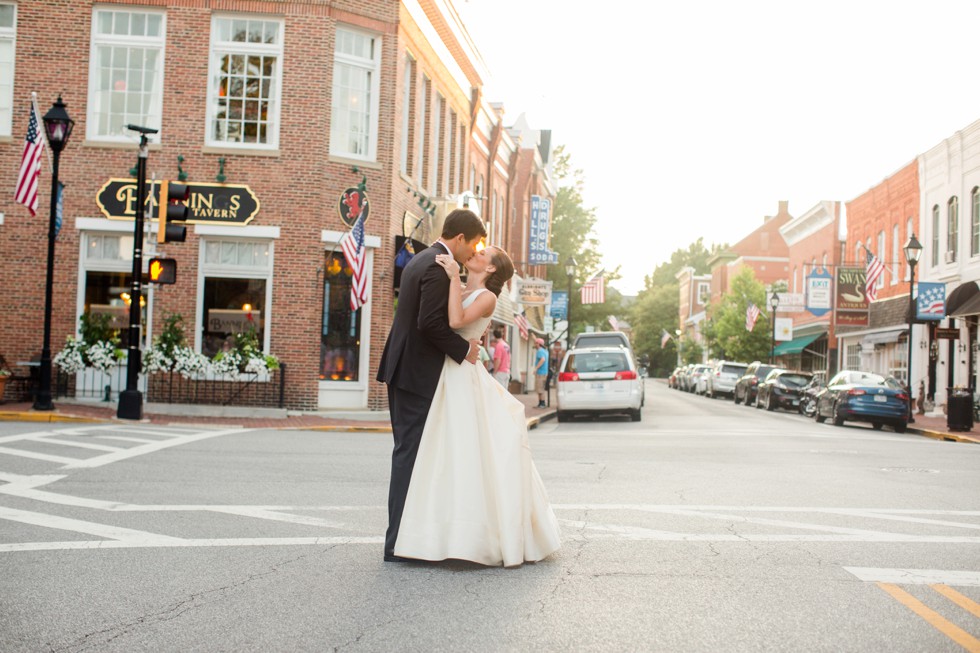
598, 386
882, 399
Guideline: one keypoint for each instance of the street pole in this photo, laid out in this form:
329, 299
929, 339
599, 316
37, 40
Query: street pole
42, 401
908, 372
131, 399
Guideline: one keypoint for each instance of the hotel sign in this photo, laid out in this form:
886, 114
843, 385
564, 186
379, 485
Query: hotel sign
228, 204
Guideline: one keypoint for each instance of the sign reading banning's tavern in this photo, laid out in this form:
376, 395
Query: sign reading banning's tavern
231, 204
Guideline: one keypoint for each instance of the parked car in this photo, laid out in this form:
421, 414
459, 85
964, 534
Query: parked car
596, 380
748, 383
721, 380
699, 381
864, 397
674, 378
808, 399
782, 389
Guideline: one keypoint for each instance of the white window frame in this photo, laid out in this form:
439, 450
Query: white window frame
437, 129
704, 293
8, 35
953, 226
373, 67
423, 103
908, 234
881, 254
218, 48
154, 117
407, 77
935, 235
205, 269
895, 254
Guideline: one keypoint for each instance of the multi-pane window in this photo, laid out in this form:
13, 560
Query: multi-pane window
8, 33
935, 235
704, 293
908, 234
853, 357
881, 257
895, 254
107, 261
975, 222
354, 113
437, 146
424, 132
236, 282
408, 110
125, 72
952, 228
452, 187
246, 77
340, 342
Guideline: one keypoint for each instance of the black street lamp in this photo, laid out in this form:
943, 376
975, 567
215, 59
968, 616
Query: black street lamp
570, 266
913, 250
58, 127
773, 305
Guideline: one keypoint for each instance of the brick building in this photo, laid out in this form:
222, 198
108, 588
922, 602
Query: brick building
813, 240
763, 250
289, 102
881, 220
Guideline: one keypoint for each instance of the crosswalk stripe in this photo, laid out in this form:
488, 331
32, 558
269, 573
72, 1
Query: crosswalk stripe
23, 453
70, 443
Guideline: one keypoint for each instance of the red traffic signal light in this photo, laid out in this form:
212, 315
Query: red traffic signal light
172, 208
163, 270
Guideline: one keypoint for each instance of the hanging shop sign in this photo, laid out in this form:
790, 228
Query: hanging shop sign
931, 301
819, 292
227, 204
789, 302
784, 328
852, 303
559, 304
353, 204
948, 333
538, 251
534, 292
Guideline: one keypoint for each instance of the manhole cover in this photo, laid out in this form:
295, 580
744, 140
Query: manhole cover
918, 470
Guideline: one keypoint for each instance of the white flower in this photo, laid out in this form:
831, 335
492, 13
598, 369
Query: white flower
102, 355
70, 360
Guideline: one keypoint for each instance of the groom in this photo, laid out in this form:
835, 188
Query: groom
419, 341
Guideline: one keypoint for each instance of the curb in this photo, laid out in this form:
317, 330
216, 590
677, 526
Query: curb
11, 416
942, 435
533, 422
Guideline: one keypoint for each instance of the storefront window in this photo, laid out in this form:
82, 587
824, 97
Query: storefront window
340, 342
232, 306
107, 293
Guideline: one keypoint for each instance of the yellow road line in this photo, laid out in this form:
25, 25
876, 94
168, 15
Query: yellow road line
947, 628
958, 599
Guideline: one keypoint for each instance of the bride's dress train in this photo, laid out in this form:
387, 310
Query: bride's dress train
475, 493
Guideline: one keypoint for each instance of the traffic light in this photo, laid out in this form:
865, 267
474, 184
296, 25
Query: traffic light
172, 209
163, 270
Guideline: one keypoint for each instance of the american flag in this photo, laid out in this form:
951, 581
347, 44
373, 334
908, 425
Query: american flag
30, 165
932, 299
751, 315
594, 290
873, 272
664, 338
521, 323
353, 246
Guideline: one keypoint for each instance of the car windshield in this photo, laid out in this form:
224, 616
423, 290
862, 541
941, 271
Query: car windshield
733, 369
583, 363
862, 378
763, 371
794, 380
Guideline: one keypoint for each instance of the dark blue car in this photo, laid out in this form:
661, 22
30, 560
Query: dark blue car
864, 397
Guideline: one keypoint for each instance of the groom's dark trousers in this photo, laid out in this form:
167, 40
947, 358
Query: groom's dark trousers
408, 410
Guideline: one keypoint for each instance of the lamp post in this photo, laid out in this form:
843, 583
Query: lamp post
570, 266
773, 305
913, 250
58, 127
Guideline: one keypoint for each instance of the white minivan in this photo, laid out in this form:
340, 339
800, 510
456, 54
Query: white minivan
595, 380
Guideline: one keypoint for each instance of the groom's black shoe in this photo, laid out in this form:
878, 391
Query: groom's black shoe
390, 557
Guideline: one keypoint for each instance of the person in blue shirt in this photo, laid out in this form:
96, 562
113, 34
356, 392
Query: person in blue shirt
540, 371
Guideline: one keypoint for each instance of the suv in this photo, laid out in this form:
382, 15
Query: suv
748, 384
599, 380
721, 380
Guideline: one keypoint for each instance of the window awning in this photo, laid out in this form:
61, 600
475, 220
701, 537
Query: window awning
796, 345
883, 338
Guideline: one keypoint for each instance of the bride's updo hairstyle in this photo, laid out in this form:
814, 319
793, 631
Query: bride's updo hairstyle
503, 272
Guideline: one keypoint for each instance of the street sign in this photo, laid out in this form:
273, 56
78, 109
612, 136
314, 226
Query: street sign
163, 270
948, 333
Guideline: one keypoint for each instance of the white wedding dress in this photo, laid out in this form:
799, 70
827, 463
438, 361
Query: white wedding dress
475, 493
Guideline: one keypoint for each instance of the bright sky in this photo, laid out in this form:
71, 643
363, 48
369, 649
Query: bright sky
693, 119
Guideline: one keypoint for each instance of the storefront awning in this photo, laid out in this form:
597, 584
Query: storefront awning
884, 338
796, 345
969, 307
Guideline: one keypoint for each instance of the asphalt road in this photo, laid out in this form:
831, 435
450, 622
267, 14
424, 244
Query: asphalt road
705, 527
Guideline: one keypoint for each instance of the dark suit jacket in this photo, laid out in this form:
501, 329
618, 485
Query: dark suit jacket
420, 337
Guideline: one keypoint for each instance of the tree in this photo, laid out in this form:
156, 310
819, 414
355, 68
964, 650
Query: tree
727, 334
572, 234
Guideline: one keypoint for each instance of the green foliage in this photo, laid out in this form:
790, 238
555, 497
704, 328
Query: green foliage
572, 234
96, 327
691, 351
727, 334
172, 337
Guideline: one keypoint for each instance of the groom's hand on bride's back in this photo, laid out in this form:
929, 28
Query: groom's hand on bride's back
474, 352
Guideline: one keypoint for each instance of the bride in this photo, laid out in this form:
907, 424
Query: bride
475, 493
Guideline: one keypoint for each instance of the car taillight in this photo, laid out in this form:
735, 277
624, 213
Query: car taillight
754, 381
568, 376
717, 373
625, 375
856, 391
902, 396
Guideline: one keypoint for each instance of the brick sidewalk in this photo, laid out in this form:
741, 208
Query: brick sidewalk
324, 421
